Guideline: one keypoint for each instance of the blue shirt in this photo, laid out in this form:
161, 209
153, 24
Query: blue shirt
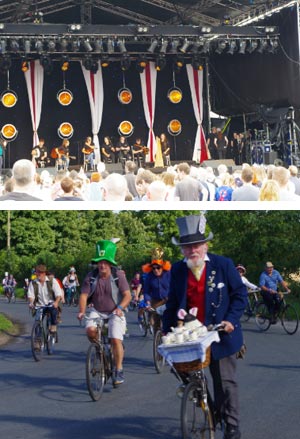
1, 151
156, 287
270, 281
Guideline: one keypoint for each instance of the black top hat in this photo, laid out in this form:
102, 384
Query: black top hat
192, 230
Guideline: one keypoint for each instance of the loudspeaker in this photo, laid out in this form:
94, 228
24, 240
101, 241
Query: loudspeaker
216, 163
270, 157
114, 167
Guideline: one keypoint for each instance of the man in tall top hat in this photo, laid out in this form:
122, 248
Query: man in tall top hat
212, 284
110, 295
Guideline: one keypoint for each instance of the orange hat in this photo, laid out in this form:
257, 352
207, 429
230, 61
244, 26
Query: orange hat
157, 254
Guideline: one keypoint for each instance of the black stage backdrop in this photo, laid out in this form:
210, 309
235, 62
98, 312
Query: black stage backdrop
78, 112
241, 83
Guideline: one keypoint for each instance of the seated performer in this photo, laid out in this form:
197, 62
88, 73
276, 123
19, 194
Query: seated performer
107, 151
139, 151
88, 151
43, 158
124, 150
63, 155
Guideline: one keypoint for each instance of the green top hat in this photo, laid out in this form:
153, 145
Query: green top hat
105, 251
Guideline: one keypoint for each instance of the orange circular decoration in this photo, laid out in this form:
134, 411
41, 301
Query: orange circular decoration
174, 127
9, 131
65, 130
175, 95
9, 99
125, 128
65, 97
125, 96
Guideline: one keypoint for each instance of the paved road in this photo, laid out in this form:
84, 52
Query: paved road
49, 400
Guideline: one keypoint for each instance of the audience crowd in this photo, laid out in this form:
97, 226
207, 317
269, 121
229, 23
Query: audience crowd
180, 182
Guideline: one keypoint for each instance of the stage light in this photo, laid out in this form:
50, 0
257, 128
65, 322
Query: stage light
125, 63
51, 45
205, 47
174, 46
242, 49
64, 63
104, 61
88, 62
39, 46
205, 29
87, 46
232, 47
110, 46
122, 47
221, 46
75, 45
94, 66
24, 64
3, 46
142, 29
164, 45
185, 46
152, 46
1, 26
75, 27
197, 64
270, 29
14, 45
253, 44
46, 63
178, 63
63, 45
273, 47
27, 46
141, 64
98, 46
263, 46
160, 63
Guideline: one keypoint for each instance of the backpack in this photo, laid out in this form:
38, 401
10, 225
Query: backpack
94, 279
49, 284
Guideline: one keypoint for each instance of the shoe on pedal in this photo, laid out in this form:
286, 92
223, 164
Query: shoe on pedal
232, 432
118, 377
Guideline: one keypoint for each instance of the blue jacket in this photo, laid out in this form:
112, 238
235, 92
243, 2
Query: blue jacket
225, 299
156, 287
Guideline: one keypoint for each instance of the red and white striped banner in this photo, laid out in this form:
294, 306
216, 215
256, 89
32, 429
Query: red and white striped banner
34, 81
148, 83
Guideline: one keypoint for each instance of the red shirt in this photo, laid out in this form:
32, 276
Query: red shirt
196, 293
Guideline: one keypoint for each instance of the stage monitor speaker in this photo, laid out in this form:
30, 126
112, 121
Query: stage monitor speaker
270, 157
114, 167
215, 163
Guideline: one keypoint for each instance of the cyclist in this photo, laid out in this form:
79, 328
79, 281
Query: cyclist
70, 282
136, 285
242, 270
9, 283
210, 283
156, 284
43, 292
25, 288
268, 282
108, 290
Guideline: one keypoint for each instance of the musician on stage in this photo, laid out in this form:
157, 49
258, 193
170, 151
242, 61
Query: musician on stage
107, 151
41, 154
139, 151
88, 151
63, 154
124, 150
165, 149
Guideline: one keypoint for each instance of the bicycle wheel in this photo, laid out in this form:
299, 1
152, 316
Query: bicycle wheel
95, 372
262, 317
144, 325
247, 312
37, 341
290, 319
132, 305
51, 340
159, 360
75, 300
196, 417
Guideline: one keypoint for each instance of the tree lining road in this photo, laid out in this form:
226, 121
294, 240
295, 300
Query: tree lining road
49, 400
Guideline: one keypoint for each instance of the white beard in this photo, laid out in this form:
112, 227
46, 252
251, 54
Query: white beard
195, 263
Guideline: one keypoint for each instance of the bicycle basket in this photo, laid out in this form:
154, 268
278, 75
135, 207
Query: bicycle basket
191, 366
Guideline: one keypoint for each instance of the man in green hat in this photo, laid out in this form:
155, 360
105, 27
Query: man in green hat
109, 293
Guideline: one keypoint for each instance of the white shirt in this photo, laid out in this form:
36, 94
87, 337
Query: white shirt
43, 294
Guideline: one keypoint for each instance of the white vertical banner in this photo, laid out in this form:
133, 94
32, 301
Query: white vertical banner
94, 84
34, 78
195, 78
148, 84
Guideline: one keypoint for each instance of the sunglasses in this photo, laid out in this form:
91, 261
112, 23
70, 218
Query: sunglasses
156, 268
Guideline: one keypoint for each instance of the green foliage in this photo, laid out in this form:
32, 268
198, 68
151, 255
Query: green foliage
64, 238
5, 324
